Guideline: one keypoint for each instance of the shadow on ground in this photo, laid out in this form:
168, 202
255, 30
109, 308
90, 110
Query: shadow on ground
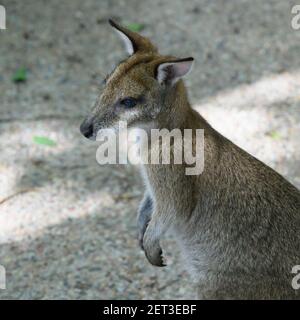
62, 263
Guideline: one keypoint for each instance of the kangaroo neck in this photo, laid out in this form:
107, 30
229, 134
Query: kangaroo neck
175, 108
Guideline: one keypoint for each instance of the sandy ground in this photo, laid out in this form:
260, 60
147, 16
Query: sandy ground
68, 231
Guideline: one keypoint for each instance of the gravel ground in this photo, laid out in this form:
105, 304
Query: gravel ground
68, 229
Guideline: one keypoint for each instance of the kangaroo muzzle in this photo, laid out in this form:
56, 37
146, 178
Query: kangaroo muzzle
87, 128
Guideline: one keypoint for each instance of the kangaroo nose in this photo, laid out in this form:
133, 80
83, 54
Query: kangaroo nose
87, 128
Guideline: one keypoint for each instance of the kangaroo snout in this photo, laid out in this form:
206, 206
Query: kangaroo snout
87, 128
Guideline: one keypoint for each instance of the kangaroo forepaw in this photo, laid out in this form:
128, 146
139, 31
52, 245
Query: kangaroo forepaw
154, 255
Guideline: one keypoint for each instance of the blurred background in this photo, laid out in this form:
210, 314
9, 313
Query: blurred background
67, 224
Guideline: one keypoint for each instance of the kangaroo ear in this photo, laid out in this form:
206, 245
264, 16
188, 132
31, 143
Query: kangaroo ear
133, 41
170, 72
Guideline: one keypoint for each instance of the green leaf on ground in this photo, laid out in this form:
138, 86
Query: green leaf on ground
44, 141
274, 135
20, 75
136, 27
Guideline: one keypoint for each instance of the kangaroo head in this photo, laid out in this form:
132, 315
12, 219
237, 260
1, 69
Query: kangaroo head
138, 88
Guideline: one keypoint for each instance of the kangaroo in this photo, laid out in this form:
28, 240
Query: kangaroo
237, 223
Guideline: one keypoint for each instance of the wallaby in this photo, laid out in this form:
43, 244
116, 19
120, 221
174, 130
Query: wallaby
238, 222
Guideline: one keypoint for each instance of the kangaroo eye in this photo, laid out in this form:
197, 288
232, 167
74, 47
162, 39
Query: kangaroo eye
129, 102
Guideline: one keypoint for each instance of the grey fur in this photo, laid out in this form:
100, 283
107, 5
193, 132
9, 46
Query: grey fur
237, 224
144, 216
